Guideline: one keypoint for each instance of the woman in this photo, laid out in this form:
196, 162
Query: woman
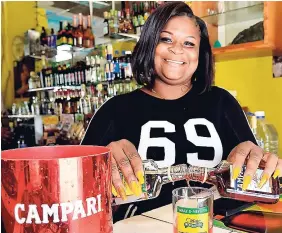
177, 117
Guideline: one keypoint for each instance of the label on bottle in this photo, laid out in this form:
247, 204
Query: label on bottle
64, 40
193, 220
76, 78
88, 43
70, 41
79, 41
72, 79
105, 30
238, 183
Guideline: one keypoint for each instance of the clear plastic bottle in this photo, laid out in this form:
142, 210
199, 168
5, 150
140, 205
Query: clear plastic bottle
267, 136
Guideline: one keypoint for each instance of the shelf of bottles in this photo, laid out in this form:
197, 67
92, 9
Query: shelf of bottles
79, 35
129, 20
81, 88
75, 37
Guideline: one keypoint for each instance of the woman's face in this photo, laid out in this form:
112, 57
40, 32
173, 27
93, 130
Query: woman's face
177, 54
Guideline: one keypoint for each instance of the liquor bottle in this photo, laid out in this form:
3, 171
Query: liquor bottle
93, 70
128, 23
53, 39
74, 30
60, 76
99, 72
64, 35
128, 74
59, 35
84, 102
221, 176
266, 135
31, 82
107, 72
88, 71
116, 67
69, 35
56, 77
120, 22
89, 37
65, 75
52, 77
85, 39
43, 37
80, 31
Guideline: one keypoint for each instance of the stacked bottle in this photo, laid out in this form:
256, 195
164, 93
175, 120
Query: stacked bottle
130, 19
266, 134
77, 34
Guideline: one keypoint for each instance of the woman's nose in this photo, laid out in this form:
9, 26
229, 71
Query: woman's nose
176, 48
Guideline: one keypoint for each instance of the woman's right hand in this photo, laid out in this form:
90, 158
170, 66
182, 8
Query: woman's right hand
126, 159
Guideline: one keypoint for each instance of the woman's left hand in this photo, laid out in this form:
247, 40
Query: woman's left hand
252, 155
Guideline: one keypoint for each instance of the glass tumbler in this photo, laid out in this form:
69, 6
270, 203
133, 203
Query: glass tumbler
192, 210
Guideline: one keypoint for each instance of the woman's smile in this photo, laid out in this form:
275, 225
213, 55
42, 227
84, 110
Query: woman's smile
174, 63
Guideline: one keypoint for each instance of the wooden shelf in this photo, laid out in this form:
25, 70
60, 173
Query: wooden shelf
133, 36
239, 51
21, 116
41, 89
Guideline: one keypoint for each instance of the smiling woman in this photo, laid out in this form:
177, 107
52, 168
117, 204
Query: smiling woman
177, 117
180, 55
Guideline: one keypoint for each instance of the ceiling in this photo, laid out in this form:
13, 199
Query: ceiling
75, 7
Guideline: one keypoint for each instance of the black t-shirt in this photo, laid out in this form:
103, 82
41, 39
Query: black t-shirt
198, 129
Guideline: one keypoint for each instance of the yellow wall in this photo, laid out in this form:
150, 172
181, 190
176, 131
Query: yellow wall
17, 18
256, 89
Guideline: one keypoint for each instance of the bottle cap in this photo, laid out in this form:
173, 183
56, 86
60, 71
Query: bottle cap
259, 114
32, 73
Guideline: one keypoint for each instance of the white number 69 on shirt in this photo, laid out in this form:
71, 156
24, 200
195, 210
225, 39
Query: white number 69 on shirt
169, 147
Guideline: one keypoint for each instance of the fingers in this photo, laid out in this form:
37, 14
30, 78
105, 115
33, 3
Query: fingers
278, 169
247, 151
256, 155
134, 158
118, 187
121, 162
271, 161
238, 157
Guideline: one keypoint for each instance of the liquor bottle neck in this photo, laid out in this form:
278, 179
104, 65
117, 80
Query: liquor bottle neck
189, 173
174, 173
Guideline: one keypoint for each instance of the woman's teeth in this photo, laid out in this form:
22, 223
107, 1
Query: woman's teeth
176, 62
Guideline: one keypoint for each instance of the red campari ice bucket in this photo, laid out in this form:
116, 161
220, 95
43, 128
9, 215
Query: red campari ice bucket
56, 190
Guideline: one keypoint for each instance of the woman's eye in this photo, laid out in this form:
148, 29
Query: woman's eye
189, 44
165, 39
